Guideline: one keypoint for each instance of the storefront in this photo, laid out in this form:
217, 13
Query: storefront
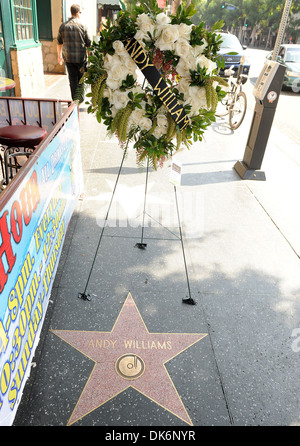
28, 30
50, 15
20, 54
107, 9
5, 43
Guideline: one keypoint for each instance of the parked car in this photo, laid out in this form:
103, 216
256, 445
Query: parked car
289, 56
231, 44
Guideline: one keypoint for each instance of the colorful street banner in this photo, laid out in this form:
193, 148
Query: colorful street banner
33, 225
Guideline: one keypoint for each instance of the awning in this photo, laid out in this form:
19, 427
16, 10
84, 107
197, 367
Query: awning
108, 2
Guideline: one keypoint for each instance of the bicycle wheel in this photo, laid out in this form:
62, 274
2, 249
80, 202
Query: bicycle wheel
238, 110
222, 108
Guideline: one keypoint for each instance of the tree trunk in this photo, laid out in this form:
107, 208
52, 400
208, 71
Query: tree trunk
175, 5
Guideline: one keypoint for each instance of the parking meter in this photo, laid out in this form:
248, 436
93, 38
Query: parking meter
266, 91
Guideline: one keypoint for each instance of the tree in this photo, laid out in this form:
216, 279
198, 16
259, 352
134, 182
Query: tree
175, 5
261, 16
293, 29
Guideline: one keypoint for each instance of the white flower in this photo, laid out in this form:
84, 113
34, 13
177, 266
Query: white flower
169, 35
145, 24
204, 62
136, 116
117, 69
162, 120
159, 131
184, 31
115, 76
145, 123
196, 99
129, 65
162, 124
119, 48
186, 64
140, 36
198, 49
113, 111
182, 47
201, 97
114, 84
120, 99
108, 93
137, 89
109, 61
183, 87
162, 19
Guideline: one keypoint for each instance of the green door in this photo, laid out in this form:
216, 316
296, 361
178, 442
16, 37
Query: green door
2, 50
5, 68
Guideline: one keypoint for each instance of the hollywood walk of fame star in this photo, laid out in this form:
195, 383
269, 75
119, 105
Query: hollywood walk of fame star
129, 356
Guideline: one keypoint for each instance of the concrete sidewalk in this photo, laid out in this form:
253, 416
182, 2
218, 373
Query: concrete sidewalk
135, 354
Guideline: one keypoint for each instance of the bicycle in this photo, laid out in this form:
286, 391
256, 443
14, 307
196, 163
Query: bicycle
234, 103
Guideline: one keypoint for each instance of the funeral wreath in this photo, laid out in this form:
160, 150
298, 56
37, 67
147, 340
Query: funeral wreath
154, 80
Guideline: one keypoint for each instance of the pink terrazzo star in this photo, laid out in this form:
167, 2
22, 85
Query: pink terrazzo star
129, 356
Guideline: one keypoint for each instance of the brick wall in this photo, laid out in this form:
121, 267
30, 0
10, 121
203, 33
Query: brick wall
50, 57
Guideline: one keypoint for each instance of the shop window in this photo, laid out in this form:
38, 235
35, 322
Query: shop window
24, 22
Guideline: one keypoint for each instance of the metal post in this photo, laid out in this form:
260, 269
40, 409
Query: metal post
281, 30
266, 96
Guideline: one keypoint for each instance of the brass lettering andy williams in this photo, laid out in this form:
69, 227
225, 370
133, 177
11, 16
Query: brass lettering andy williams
142, 60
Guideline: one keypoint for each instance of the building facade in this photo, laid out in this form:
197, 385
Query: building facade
28, 31
50, 15
20, 54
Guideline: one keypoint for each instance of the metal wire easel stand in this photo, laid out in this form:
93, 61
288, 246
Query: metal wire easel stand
141, 245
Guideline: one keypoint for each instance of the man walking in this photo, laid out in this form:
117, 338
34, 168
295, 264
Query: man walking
72, 43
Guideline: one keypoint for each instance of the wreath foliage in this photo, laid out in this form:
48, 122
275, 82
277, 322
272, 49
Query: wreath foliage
186, 57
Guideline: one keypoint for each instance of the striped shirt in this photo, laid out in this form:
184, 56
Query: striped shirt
75, 39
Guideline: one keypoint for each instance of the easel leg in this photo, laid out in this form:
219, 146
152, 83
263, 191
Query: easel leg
142, 245
85, 295
189, 300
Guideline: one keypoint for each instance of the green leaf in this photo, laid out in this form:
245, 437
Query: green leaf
217, 26
98, 116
